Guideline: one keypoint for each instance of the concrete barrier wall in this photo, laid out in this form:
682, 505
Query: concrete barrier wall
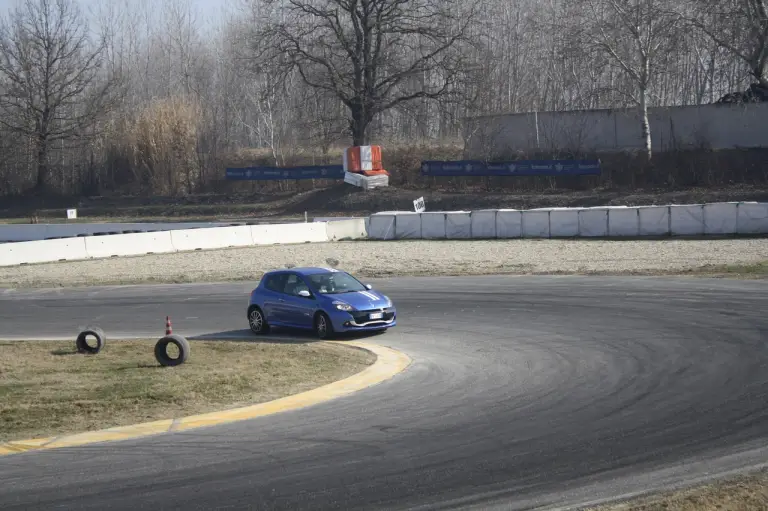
178, 240
349, 229
719, 126
729, 218
742, 218
36, 232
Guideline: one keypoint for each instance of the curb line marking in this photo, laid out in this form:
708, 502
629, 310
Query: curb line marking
389, 363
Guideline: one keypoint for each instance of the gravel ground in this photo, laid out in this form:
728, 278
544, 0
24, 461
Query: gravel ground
382, 259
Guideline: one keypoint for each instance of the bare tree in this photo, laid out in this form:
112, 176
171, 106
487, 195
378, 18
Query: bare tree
372, 54
740, 26
634, 35
52, 86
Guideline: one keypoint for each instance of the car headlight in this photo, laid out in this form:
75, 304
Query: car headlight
389, 302
343, 306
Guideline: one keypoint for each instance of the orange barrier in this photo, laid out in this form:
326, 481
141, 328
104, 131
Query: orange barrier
362, 158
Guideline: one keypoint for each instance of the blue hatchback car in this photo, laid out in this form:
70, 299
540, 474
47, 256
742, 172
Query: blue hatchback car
327, 301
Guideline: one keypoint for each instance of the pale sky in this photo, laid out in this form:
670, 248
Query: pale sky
209, 11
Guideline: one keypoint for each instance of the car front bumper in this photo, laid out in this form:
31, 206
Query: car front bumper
359, 321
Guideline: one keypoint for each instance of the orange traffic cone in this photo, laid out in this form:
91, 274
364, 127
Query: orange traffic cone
168, 329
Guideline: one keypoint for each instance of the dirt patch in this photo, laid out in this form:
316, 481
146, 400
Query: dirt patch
48, 389
746, 493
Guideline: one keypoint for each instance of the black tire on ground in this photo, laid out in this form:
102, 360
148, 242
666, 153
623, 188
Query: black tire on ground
256, 321
161, 350
323, 326
82, 341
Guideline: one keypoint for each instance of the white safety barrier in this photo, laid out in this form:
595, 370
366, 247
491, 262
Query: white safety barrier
563, 223
536, 223
279, 234
36, 232
382, 225
458, 225
509, 223
686, 220
752, 217
595, 222
484, 223
93, 247
654, 220
623, 222
348, 229
30, 252
433, 226
721, 218
213, 237
408, 226
129, 244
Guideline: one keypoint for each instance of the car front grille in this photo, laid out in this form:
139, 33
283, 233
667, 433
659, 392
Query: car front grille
363, 316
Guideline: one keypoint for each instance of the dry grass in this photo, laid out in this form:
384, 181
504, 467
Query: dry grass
47, 389
746, 493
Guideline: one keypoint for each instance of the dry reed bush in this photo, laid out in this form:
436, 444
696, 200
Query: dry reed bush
163, 145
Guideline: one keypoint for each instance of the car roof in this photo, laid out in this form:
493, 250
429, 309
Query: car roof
305, 271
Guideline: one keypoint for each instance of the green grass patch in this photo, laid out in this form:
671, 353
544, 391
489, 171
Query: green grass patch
48, 389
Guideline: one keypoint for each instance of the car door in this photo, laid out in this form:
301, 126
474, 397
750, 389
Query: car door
299, 310
274, 298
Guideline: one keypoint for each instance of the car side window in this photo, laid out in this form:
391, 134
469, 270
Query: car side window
294, 284
275, 283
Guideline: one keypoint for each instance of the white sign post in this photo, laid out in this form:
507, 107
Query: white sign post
71, 214
418, 205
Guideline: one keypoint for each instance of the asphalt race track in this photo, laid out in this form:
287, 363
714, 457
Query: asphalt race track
524, 392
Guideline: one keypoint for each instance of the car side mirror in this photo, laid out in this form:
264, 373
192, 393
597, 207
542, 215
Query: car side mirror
304, 293
368, 287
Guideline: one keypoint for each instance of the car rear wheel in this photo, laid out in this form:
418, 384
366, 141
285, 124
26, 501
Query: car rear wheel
323, 326
256, 321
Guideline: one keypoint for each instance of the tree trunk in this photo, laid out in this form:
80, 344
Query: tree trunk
359, 125
646, 125
43, 171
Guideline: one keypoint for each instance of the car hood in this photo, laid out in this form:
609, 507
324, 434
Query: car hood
362, 300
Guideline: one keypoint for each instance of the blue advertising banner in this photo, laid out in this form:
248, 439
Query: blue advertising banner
469, 168
283, 173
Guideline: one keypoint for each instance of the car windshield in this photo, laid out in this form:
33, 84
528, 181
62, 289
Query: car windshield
332, 283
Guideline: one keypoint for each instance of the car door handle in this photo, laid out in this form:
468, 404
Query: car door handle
281, 300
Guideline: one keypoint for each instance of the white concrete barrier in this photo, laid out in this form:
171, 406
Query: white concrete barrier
623, 222
36, 232
752, 218
408, 226
563, 223
593, 222
509, 224
458, 225
129, 244
213, 237
686, 219
654, 220
382, 226
43, 251
350, 229
432, 225
536, 223
721, 218
279, 234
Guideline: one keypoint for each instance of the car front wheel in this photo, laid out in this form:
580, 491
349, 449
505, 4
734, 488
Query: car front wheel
256, 321
323, 326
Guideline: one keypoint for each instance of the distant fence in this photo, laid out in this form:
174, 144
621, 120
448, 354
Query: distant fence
285, 173
511, 168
